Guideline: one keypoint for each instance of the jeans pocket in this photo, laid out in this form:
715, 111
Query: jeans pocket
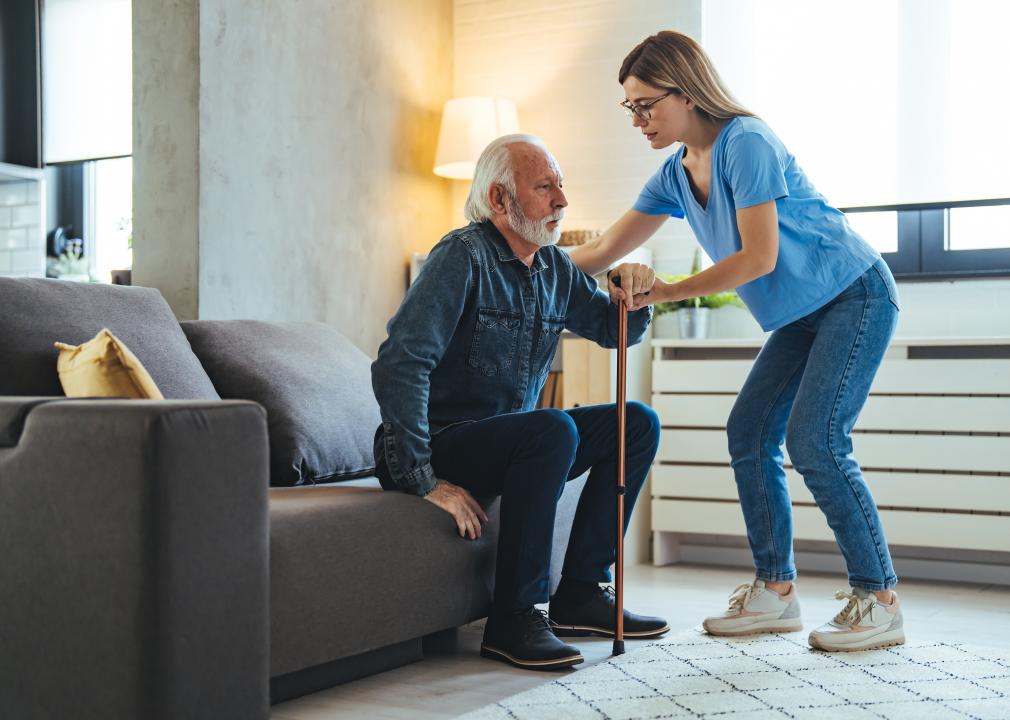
547, 342
884, 273
495, 338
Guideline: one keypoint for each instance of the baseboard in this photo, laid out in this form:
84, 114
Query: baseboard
909, 563
320, 677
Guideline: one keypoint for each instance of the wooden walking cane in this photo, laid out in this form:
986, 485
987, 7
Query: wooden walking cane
622, 378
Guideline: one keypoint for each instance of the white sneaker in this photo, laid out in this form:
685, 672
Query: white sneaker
863, 623
757, 609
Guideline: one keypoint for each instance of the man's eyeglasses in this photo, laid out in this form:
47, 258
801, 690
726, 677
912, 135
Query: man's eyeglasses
644, 110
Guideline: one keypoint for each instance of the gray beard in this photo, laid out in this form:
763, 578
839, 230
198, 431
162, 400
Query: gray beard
533, 231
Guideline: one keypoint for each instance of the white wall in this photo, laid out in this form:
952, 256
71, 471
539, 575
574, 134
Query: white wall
166, 136
22, 225
559, 62
284, 155
318, 129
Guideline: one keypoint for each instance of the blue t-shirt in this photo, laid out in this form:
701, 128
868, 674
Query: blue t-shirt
819, 254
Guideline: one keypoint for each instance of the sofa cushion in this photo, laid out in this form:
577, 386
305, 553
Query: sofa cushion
355, 569
104, 367
315, 385
35, 313
403, 571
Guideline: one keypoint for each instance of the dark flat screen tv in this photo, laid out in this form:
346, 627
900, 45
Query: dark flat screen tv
20, 83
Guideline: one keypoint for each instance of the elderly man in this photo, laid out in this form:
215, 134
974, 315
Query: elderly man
457, 382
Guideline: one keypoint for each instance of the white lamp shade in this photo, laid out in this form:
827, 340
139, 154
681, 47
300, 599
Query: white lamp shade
468, 125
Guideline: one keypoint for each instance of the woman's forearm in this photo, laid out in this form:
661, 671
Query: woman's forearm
628, 233
590, 258
736, 270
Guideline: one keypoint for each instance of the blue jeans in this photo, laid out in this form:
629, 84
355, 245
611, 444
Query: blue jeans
807, 387
527, 458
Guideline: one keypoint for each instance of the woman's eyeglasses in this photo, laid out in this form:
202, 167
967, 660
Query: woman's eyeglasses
644, 110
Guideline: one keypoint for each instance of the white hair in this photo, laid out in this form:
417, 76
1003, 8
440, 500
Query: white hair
494, 167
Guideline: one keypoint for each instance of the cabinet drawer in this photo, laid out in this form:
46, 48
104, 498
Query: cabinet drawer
943, 376
936, 414
693, 410
882, 412
699, 375
882, 451
894, 489
944, 530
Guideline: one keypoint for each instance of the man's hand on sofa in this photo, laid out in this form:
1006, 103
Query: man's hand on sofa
459, 503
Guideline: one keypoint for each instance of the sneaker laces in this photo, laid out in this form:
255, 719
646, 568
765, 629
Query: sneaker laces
855, 609
741, 596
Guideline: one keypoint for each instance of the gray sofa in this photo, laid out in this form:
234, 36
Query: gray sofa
149, 568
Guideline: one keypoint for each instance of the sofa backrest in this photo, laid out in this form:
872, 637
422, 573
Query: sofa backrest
35, 312
316, 387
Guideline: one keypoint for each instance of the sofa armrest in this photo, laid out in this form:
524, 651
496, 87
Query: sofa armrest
134, 537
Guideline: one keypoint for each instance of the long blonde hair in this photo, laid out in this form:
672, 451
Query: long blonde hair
675, 61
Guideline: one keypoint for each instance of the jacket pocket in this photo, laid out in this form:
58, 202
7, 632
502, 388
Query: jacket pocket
495, 339
547, 342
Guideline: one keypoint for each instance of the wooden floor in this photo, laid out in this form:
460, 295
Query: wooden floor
456, 680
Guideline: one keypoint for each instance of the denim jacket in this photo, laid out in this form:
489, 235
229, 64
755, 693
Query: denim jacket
475, 337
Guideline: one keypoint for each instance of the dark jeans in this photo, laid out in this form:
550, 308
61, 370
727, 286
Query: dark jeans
527, 458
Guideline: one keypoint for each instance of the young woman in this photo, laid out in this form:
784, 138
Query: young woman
828, 299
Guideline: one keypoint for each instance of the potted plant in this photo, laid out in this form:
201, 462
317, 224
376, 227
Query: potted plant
692, 314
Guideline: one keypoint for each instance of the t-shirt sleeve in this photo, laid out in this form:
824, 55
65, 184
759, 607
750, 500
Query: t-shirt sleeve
755, 170
660, 196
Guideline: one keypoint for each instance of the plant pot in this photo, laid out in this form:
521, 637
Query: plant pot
664, 327
693, 323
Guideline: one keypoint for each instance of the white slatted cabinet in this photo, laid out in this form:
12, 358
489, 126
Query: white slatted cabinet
933, 442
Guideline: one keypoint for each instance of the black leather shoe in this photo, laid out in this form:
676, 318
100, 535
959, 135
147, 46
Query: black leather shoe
525, 640
596, 616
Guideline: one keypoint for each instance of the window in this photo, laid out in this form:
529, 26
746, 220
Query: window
112, 196
896, 109
939, 241
880, 229
91, 202
978, 228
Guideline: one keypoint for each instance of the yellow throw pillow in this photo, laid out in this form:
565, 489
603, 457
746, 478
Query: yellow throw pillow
104, 367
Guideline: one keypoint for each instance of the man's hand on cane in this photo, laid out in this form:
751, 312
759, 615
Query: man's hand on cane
636, 278
459, 503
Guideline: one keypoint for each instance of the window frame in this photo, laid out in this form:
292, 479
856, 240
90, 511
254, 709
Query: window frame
923, 229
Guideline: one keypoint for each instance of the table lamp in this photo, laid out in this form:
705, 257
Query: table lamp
468, 125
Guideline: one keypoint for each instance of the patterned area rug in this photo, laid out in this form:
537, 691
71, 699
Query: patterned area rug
692, 675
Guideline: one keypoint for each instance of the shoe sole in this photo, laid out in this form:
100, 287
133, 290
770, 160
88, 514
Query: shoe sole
588, 630
883, 640
496, 654
758, 628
